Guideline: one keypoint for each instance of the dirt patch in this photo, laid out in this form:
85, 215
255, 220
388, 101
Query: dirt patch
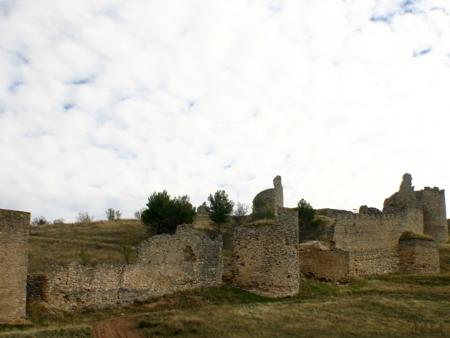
117, 328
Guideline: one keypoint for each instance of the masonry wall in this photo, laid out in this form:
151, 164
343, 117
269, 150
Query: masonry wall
14, 235
265, 257
432, 201
372, 240
324, 263
418, 256
166, 264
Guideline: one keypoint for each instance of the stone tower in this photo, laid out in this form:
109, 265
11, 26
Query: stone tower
270, 200
14, 233
432, 201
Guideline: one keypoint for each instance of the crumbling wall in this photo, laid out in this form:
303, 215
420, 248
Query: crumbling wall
418, 255
265, 257
202, 219
322, 262
166, 264
14, 235
372, 239
432, 201
268, 201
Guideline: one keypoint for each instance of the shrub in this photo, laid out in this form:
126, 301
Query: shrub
240, 212
220, 207
59, 221
306, 214
41, 220
84, 217
164, 214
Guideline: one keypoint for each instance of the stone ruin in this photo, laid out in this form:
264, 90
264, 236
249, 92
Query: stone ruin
14, 232
266, 255
371, 243
201, 219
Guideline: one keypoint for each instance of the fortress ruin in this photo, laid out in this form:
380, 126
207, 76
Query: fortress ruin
265, 255
14, 232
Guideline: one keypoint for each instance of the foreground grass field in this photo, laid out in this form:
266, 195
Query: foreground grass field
391, 306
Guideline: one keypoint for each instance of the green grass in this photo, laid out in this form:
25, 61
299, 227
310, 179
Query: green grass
90, 243
387, 306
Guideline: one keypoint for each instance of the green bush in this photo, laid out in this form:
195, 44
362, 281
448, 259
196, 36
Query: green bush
164, 214
220, 207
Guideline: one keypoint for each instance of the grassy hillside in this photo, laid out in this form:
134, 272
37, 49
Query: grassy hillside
387, 306
90, 243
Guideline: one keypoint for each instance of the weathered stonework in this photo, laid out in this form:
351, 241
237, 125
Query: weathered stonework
202, 220
269, 200
418, 255
14, 235
430, 200
166, 264
322, 262
265, 257
368, 243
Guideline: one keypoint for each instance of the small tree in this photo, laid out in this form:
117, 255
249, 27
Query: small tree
41, 220
240, 212
110, 214
118, 215
164, 214
84, 217
306, 214
138, 214
220, 207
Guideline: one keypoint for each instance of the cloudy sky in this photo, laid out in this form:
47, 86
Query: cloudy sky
103, 102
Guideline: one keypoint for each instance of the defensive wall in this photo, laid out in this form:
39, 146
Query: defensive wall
166, 264
265, 258
373, 239
418, 254
14, 235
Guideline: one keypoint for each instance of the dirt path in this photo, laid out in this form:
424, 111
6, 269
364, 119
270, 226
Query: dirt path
74, 241
116, 328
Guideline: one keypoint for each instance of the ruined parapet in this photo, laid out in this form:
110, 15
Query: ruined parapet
265, 256
166, 264
14, 236
403, 199
267, 202
432, 201
321, 261
202, 220
418, 254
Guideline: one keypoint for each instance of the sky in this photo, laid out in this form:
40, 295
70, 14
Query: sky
103, 102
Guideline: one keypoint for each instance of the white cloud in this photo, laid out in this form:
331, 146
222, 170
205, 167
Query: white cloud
102, 103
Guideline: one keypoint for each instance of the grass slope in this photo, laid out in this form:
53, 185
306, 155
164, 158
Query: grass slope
387, 306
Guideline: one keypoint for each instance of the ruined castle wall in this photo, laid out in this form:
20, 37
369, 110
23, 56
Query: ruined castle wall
373, 240
166, 264
14, 235
435, 217
265, 257
324, 263
418, 256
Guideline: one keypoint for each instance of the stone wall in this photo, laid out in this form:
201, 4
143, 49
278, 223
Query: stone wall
432, 201
322, 262
265, 256
268, 201
418, 255
14, 235
372, 240
166, 264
